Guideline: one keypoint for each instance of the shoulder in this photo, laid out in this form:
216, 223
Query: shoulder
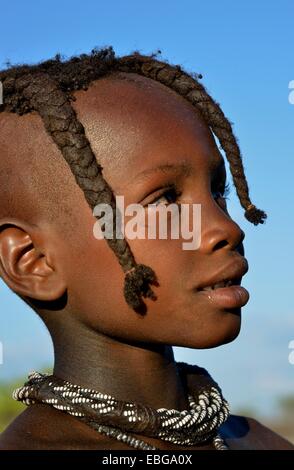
41, 427
243, 432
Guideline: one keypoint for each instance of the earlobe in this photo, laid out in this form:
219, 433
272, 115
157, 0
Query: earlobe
25, 268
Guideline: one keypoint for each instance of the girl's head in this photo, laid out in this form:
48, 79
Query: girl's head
98, 126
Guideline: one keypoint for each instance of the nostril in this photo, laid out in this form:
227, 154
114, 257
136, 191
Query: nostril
220, 244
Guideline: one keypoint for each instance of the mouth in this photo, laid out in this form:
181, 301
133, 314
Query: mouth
222, 284
227, 293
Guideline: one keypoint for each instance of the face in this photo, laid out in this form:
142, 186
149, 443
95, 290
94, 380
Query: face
154, 148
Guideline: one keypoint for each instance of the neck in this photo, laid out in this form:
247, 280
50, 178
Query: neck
135, 372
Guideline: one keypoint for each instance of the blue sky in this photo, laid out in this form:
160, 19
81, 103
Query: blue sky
245, 52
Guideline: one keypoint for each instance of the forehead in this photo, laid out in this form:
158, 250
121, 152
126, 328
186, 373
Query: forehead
135, 124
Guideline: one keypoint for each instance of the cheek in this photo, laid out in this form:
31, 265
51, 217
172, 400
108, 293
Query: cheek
170, 263
97, 284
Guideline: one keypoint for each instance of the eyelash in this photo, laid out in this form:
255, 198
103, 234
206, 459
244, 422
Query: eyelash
223, 192
172, 189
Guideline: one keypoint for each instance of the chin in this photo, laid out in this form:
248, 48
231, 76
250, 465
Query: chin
219, 331
229, 329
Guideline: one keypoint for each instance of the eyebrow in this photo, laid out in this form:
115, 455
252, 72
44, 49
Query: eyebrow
183, 168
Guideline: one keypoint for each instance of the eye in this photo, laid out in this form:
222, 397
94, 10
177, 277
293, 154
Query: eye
171, 195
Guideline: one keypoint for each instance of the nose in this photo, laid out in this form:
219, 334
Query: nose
219, 231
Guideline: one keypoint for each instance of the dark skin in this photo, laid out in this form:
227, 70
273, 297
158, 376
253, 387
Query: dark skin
99, 342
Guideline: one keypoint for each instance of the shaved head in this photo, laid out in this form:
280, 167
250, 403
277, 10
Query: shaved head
35, 181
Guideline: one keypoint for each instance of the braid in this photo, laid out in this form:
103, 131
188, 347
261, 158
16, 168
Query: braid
47, 88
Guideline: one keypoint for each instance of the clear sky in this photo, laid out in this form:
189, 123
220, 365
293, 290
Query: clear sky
245, 52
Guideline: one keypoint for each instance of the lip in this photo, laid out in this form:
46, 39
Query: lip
232, 272
227, 297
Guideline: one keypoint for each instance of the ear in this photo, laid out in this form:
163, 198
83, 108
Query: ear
24, 265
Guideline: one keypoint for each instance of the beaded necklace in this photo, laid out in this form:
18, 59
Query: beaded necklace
208, 410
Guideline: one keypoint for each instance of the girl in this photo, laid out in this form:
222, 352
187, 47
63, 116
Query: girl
74, 134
